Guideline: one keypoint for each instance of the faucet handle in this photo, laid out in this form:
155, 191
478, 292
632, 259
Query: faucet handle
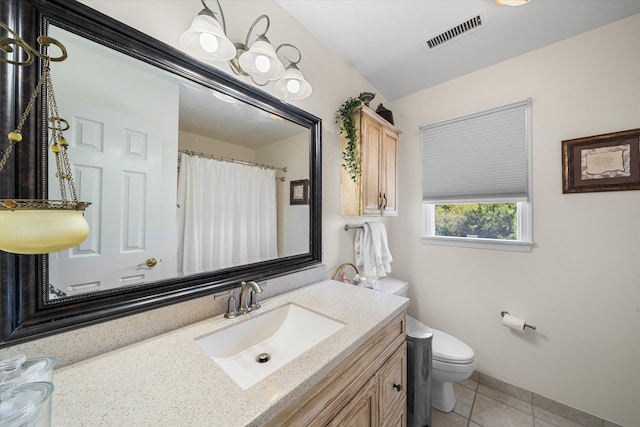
231, 308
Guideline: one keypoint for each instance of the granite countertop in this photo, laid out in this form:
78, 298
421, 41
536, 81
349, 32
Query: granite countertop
169, 381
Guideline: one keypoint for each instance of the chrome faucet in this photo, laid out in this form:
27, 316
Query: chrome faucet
249, 289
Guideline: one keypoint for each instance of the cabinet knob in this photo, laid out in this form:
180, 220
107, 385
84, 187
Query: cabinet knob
384, 196
398, 387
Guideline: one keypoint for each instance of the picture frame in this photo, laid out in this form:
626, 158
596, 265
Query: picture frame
299, 192
607, 162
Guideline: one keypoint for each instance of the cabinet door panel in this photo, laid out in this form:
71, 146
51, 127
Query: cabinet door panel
392, 382
399, 416
389, 172
372, 134
361, 411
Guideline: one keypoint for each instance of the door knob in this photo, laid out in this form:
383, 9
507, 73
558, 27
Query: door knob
151, 262
398, 387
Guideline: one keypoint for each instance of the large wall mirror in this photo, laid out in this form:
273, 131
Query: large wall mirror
188, 170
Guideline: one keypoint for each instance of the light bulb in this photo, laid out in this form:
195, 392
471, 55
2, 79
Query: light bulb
293, 86
208, 42
262, 63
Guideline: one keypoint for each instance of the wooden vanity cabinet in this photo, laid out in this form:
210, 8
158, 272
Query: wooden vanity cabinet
367, 389
374, 192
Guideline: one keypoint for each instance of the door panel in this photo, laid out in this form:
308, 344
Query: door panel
117, 165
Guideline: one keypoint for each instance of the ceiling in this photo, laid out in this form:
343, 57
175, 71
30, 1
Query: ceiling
384, 40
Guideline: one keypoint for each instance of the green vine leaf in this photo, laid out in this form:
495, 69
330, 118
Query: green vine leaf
346, 117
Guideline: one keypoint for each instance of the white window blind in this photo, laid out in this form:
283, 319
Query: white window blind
480, 157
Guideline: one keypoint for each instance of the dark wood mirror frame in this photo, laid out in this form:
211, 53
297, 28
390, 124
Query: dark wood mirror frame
25, 311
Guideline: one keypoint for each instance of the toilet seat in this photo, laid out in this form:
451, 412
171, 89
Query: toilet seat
449, 349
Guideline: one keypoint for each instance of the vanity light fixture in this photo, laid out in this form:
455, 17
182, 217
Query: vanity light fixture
207, 40
512, 2
32, 226
292, 86
260, 60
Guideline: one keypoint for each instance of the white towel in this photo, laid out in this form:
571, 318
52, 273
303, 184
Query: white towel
372, 254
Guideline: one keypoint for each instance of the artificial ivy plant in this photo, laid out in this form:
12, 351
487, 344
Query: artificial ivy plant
346, 117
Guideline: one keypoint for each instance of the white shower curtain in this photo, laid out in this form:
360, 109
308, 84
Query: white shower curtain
226, 214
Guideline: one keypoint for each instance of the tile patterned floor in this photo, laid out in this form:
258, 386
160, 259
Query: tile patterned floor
482, 401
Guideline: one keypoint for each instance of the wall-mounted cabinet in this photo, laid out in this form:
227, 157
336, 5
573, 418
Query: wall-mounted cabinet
373, 193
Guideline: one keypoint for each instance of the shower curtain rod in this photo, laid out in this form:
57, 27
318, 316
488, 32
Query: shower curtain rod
226, 159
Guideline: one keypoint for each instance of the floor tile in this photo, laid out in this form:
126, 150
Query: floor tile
489, 412
472, 424
545, 418
469, 383
448, 419
537, 422
464, 400
505, 398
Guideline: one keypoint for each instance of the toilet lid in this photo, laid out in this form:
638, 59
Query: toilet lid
447, 348
391, 285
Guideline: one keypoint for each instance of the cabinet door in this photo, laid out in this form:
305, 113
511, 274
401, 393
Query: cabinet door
372, 134
399, 416
362, 409
392, 383
389, 172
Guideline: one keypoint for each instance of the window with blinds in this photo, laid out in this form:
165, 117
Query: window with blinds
476, 179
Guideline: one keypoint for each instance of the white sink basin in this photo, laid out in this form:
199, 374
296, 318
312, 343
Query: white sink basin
283, 334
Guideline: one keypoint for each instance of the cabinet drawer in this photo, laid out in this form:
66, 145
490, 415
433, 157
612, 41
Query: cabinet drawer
392, 383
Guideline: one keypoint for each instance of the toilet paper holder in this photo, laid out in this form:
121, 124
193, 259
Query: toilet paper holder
502, 313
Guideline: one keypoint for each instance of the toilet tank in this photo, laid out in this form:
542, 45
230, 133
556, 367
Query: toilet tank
391, 285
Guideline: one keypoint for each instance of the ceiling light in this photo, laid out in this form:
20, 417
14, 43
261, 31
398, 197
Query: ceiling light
512, 2
206, 39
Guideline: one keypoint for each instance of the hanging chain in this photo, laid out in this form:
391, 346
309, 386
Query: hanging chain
59, 144
16, 135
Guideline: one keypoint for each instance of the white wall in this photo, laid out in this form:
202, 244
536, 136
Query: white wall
203, 144
581, 284
293, 220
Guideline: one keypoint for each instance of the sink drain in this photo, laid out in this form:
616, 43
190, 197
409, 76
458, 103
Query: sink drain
263, 358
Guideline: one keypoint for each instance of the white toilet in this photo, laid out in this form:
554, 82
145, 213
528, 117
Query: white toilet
452, 359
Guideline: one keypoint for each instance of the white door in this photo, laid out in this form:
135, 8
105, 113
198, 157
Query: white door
117, 165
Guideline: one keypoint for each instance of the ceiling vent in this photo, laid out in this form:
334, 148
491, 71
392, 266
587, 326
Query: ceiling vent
467, 26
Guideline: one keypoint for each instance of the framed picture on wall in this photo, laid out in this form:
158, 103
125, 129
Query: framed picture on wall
607, 162
299, 193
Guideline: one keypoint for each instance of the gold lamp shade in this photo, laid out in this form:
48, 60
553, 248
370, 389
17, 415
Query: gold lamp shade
41, 230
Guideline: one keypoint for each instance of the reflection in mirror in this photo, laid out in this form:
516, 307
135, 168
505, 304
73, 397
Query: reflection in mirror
153, 153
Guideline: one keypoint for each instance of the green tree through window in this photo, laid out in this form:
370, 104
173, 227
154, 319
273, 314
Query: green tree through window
484, 220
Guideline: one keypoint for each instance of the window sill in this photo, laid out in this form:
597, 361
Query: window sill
465, 242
